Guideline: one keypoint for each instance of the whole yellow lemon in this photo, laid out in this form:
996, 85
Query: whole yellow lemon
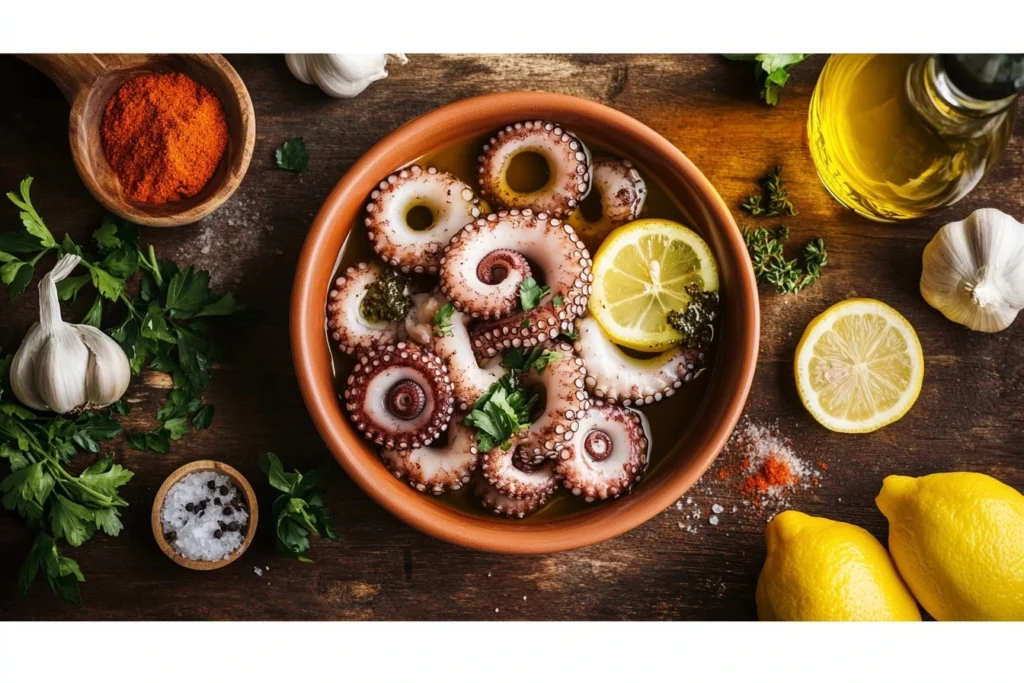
958, 541
821, 570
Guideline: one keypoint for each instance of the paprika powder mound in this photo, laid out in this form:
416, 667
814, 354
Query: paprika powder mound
164, 135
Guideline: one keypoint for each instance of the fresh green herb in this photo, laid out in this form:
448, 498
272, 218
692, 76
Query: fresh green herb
558, 301
501, 413
386, 298
291, 155
772, 267
299, 510
443, 321
530, 293
571, 335
771, 71
778, 197
165, 327
524, 323
537, 359
695, 322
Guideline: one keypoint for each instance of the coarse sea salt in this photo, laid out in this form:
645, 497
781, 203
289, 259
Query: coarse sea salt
192, 518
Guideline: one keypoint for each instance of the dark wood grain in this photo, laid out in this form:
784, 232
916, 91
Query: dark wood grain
967, 418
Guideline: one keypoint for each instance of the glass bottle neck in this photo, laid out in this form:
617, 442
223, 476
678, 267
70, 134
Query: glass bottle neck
945, 107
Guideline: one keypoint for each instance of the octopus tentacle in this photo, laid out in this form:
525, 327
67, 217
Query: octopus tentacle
436, 469
345, 322
399, 396
621, 192
547, 242
568, 159
565, 403
450, 201
608, 455
506, 473
505, 506
619, 378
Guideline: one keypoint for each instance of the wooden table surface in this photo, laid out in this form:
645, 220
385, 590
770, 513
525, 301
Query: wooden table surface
676, 566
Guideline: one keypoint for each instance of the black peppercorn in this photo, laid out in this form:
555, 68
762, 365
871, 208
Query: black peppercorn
211, 485
171, 535
216, 501
218, 533
233, 526
202, 505
189, 507
223, 490
228, 511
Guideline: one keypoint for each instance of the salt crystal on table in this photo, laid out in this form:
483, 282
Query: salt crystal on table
189, 511
717, 509
713, 521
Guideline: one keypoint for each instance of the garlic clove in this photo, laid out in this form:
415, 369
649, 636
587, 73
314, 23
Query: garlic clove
973, 270
341, 75
60, 371
297, 65
23, 369
108, 373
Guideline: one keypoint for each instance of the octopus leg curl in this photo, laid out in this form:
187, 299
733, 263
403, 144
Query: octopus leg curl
568, 160
608, 455
505, 506
436, 470
618, 378
450, 201
484, 265
345, 322
622, 193
565, 403
511, 478
399, 396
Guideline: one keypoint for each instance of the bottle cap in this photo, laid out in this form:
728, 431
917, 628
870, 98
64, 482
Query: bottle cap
985, 77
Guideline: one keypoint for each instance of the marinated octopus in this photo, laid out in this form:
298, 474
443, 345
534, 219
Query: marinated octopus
476, 363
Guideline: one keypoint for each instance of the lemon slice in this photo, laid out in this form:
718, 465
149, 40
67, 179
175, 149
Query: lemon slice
640, 273
859, 366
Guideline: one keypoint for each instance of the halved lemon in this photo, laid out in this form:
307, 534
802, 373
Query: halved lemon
641, 271
859, 366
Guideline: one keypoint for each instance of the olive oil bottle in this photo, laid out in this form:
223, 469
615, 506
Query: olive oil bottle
895, 137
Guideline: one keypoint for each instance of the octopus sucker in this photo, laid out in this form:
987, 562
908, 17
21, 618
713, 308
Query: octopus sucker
501, 505
549, 244
608, 455
616, 377
399, 396
622, 193
435, 470
565, 402
450, 202
346, 325
568, 159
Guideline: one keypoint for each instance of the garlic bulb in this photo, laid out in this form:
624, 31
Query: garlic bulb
341, 75
974, 270
64, 367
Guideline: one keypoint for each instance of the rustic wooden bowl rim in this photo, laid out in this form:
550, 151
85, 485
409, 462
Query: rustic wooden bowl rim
728, 387
179, 474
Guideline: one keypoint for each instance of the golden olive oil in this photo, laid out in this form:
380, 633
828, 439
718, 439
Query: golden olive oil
893, 141
670, 420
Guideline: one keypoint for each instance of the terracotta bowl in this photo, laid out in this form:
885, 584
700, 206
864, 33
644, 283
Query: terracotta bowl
731, 372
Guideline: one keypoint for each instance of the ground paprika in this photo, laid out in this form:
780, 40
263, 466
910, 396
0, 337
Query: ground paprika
164, 135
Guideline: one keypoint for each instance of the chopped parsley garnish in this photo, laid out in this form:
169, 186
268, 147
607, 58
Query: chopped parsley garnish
291, 155
537, 359
386, 298
571, 335
501, 413
443, 321
530, 293
695, 321
771, 70
558, 301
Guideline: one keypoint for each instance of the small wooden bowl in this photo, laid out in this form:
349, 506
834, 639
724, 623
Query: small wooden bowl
179, 474
88, 81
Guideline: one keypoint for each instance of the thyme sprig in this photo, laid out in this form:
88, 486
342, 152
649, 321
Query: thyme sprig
771, 266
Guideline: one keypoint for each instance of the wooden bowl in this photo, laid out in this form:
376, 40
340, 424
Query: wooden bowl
731, 374
88, 81
177, 475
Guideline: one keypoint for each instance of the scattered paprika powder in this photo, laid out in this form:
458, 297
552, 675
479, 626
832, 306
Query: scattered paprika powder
164, 135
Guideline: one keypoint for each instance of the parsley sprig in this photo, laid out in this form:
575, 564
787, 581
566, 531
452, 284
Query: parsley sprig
291, 155
530, 293
501, 413
771, 71
299, 511
443, 321
162, 320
